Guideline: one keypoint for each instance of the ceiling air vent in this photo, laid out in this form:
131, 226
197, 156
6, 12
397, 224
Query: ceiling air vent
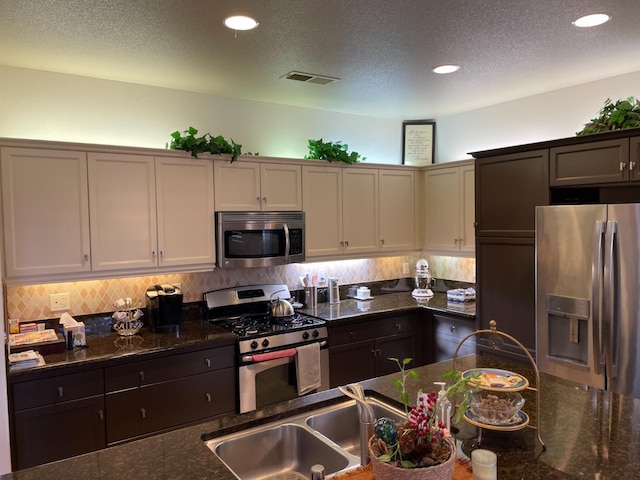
310, 78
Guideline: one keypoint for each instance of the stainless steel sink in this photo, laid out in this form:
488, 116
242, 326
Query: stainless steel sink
342, 425
287, 449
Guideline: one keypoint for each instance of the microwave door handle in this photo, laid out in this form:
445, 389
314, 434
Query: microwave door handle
287, 243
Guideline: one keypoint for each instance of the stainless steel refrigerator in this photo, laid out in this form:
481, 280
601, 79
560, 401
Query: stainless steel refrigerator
588, 294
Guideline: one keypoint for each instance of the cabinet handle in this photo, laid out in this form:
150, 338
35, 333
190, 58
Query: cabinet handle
346, 244
398, 326
161, 253
60, 392
374, 352
153, 254
379, 352
456, 240
86, 257
141, 377
452, 328
341, 244
382, 242
352, 335
632, 165
623, 165
143, 413
208, 397
264, 199
258, 199
100, 415
207, 362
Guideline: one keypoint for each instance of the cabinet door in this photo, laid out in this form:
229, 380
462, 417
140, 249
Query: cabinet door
397, 210
360, 210
184, 190
122, 207
442, 209
281, 187
467, 242
322, 204
402, 345
506, 288
634, 159
237, 186
508, 188
351, 363
449, 332
51, 433
590, 163
46, 212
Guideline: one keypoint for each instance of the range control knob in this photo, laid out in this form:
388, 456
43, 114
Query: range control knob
315, 333
305, 336
265, 343
254, 345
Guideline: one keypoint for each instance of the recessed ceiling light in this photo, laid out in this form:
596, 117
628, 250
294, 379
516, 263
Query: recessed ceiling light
442, 69
241, 22
592, 20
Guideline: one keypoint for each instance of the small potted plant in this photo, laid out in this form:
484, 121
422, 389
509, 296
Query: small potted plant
419, 447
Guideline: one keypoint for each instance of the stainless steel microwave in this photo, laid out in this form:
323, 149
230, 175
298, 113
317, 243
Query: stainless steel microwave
259, 239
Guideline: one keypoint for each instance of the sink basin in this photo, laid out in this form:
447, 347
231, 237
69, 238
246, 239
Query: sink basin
288, 448
342, 425
282, 452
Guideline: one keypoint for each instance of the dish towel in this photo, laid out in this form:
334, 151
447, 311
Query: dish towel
308, 367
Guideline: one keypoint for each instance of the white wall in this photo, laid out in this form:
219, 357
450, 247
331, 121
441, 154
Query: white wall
52, 106
547, 116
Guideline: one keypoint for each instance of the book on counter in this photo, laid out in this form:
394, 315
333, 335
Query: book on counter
26, 359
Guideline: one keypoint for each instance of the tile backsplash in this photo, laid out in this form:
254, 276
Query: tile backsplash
31, 302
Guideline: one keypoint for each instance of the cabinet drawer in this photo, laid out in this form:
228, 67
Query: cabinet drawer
455, 328
62, 388
166, 405
446, 347
147, 372
371, 329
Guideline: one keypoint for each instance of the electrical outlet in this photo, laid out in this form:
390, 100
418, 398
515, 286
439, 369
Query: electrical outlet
59, 302
405, 268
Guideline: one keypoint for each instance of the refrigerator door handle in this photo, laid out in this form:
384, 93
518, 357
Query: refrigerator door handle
596, 286
609, 302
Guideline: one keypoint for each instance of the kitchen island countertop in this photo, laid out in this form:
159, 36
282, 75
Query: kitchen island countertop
588, 433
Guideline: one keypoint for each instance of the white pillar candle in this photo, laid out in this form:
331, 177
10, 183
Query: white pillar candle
484, 464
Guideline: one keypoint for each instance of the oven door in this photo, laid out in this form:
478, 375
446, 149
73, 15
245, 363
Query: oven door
273, 381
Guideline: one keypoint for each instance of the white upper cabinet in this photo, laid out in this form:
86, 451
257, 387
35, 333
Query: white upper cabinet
397, 209
122, 201
184, 192
322, 202
354, 211
253, 186
46, 212
360, 210
449, 208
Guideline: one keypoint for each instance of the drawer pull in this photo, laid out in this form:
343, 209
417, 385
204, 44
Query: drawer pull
398, 326
207, 362
208, 397
60, 392
141, 377
352, 335
452, 328
143, 413
101, 415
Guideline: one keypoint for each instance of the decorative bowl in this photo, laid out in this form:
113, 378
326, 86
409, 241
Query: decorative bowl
495, 408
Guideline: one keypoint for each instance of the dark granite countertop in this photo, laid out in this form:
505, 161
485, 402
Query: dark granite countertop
588, 433
389, 302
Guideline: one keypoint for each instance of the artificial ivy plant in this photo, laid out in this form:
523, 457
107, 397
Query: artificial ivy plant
332, 152
614, 116
207, 143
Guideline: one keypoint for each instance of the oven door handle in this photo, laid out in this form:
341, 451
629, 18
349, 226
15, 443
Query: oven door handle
265, 357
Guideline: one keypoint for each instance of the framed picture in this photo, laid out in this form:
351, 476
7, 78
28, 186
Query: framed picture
418, 142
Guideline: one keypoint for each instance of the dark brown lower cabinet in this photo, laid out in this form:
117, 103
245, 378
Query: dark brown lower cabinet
152, 408
54, 432
506, 292
449, 331
361, 350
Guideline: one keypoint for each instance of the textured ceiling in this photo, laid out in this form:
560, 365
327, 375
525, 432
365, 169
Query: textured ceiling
382, 50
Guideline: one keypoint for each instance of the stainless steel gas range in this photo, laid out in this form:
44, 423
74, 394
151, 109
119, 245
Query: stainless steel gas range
278, 358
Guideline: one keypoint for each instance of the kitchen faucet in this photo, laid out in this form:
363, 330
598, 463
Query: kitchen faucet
367, 418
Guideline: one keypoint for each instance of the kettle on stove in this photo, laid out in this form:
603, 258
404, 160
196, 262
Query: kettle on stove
164, 306
280, 307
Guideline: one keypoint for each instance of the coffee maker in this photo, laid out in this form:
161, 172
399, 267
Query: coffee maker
164, 307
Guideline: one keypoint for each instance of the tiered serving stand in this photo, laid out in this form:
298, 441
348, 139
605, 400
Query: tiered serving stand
521, 420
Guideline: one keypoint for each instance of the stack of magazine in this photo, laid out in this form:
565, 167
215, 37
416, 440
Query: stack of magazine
26, 359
